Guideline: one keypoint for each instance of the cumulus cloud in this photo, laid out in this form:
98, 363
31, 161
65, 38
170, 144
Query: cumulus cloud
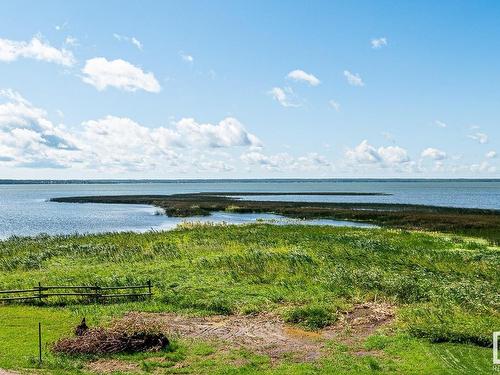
227, 133
393, 155
301, 76
480, 137
378, 43
353, 79
122, 142
101, 73
28, 138
285, 96
433, 153
366, 154
491, 154
132, 40
36, 48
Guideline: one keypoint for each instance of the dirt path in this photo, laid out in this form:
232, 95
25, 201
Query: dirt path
5, 372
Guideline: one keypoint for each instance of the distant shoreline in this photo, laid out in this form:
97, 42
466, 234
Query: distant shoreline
230, 180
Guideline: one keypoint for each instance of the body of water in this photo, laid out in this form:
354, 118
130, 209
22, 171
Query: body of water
25, 209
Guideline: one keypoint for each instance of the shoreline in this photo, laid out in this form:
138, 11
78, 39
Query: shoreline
242, 180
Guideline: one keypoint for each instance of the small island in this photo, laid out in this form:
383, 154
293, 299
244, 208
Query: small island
468, 221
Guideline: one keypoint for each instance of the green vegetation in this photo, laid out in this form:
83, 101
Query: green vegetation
444, 289
466, 221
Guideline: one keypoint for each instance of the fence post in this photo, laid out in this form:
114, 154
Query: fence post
97, 294
149, 287
39, 291
39, 344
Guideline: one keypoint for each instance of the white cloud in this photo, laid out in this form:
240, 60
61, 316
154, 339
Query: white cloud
285, 162
366, 154
121, 143
393, 155
71, 41
379, 43
13, 96
284, 96
101, 73
37, 49
433, 153
483, 167
134, 41
186, 57
227, 133
353, 79
204, 164
491, 154
61, 27
300, 75
29, 139
440, 124
480, 137
333, 104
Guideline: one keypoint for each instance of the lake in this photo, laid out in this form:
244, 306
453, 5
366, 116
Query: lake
25, 209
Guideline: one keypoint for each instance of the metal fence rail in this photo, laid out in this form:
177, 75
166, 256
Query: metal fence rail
95, 292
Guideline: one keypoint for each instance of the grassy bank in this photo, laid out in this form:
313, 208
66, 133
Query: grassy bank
470, 222
443, 288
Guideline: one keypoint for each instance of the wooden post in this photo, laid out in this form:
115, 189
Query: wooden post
149, 287
39, 343
96, 294
39, 291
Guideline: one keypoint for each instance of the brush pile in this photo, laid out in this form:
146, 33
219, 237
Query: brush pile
118, 338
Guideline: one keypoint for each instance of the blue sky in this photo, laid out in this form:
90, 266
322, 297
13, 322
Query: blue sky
223, 89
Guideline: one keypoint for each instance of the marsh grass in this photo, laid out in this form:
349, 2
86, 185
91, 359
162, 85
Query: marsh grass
445, 287
480, 223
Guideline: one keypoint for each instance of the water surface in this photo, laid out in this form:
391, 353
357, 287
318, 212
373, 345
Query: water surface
25, 209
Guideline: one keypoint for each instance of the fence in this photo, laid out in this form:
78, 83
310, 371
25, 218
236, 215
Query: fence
95, 292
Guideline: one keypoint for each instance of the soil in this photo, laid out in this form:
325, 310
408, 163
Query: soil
106, 366
268, 334
262, 333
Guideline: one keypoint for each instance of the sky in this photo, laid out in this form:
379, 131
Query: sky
249, 89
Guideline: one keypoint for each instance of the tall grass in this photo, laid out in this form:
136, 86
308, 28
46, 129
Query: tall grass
304, 273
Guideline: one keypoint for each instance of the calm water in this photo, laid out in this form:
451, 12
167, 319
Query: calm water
25, 210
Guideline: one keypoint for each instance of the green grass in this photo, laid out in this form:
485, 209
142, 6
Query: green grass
445, 288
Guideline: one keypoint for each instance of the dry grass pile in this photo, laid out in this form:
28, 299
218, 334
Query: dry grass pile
135, 336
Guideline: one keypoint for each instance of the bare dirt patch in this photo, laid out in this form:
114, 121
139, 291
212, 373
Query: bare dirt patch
107, 366
268, 334
359, 323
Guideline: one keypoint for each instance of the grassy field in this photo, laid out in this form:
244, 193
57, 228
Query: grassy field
443, 289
